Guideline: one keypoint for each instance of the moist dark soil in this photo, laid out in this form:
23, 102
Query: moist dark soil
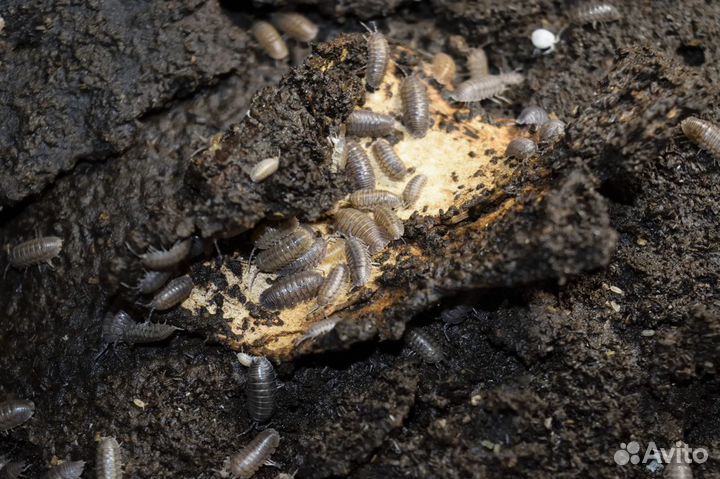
591, 319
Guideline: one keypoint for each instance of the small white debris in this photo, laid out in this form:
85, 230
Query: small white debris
648, 333
614, 306
544, 41
617, 290
264, 169
140, 403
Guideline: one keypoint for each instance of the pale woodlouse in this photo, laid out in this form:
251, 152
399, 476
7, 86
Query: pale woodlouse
358, 169
270, 40
521, 148
260, 389
338, 156
318, 329
257, 452
594, 12
358, 260
35, 251
415, 105
332, 285
551, 132
264, 169
424, 346
477, 63
368, 123
108, 464
15, 412
389, 222
289, 291
13, 470
443, 68
165, 259
413, 189
151, 281
297, 26
352, 222
532, 115
484, 88
308, 260
388, 160
174, 293
378, 59
703, 133
66, 470
286, 250
369, 198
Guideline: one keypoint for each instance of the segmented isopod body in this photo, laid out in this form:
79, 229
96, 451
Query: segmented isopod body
276, 232
12, 470
66, 470
369, 123
287, 250
456, 315
115, 325
416, 106
35, 251
443, 68
521, 148
367, 199
413, 189
483, 88
389, 162
677, 470
292, 290
260, 389
318, 329
352, 222
108, 464
594, 12
358, 260
378, 58
332, 285
264, 169
551, 132
165, 259
703, 133
358, 169
15, 412
251, 458
532, 115
147, 332
424, 346
174, 293
151, 281
477, 63
270, 40
308, 260
297, 26
338, 157
389, 222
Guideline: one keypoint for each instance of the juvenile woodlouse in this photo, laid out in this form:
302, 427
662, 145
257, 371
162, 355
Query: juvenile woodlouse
368, 123
270, 40
174, 293
389, 161
308, 260
318, 329
488, 87
12, 470
477, 63
264, 169
257, 452
443, 68
389, 222
358, 169
594, 12
551, 132
35, 251
276, 232
521, 148
352, 222
332, 285
358, 260
378, 59
165, 259
147, 332
285, 251
108, 464
415, 105
151, 281
292, 290
456, 315
260, 389
532, 115
703, 133
413, 189
424, 346
677, 469
367, 199
338, 156
115, 325
14, 413
297, 26
66, 470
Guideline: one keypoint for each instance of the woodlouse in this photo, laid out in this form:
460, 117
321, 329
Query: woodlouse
368, 123
703, 133
286, 250
270, 40
521, 148
66, 470
108, 464
14, 413
147, 332
358, 260
424, 346
318, 329
352, 222
389, 222
413, 189
677, 469
358, 169
297, 26
378, 59
456, 315
308, 260
12, 470
369, 198
264, 169
35, 251
165, 259
338, 156
115, 325
594, 12
488, 87
551, 132
292, 290
532, 115
388, 160
276, 232
260, 389
151, 281
477, 63
443, 68
415, 105
174, 293
332, 285
257, 452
